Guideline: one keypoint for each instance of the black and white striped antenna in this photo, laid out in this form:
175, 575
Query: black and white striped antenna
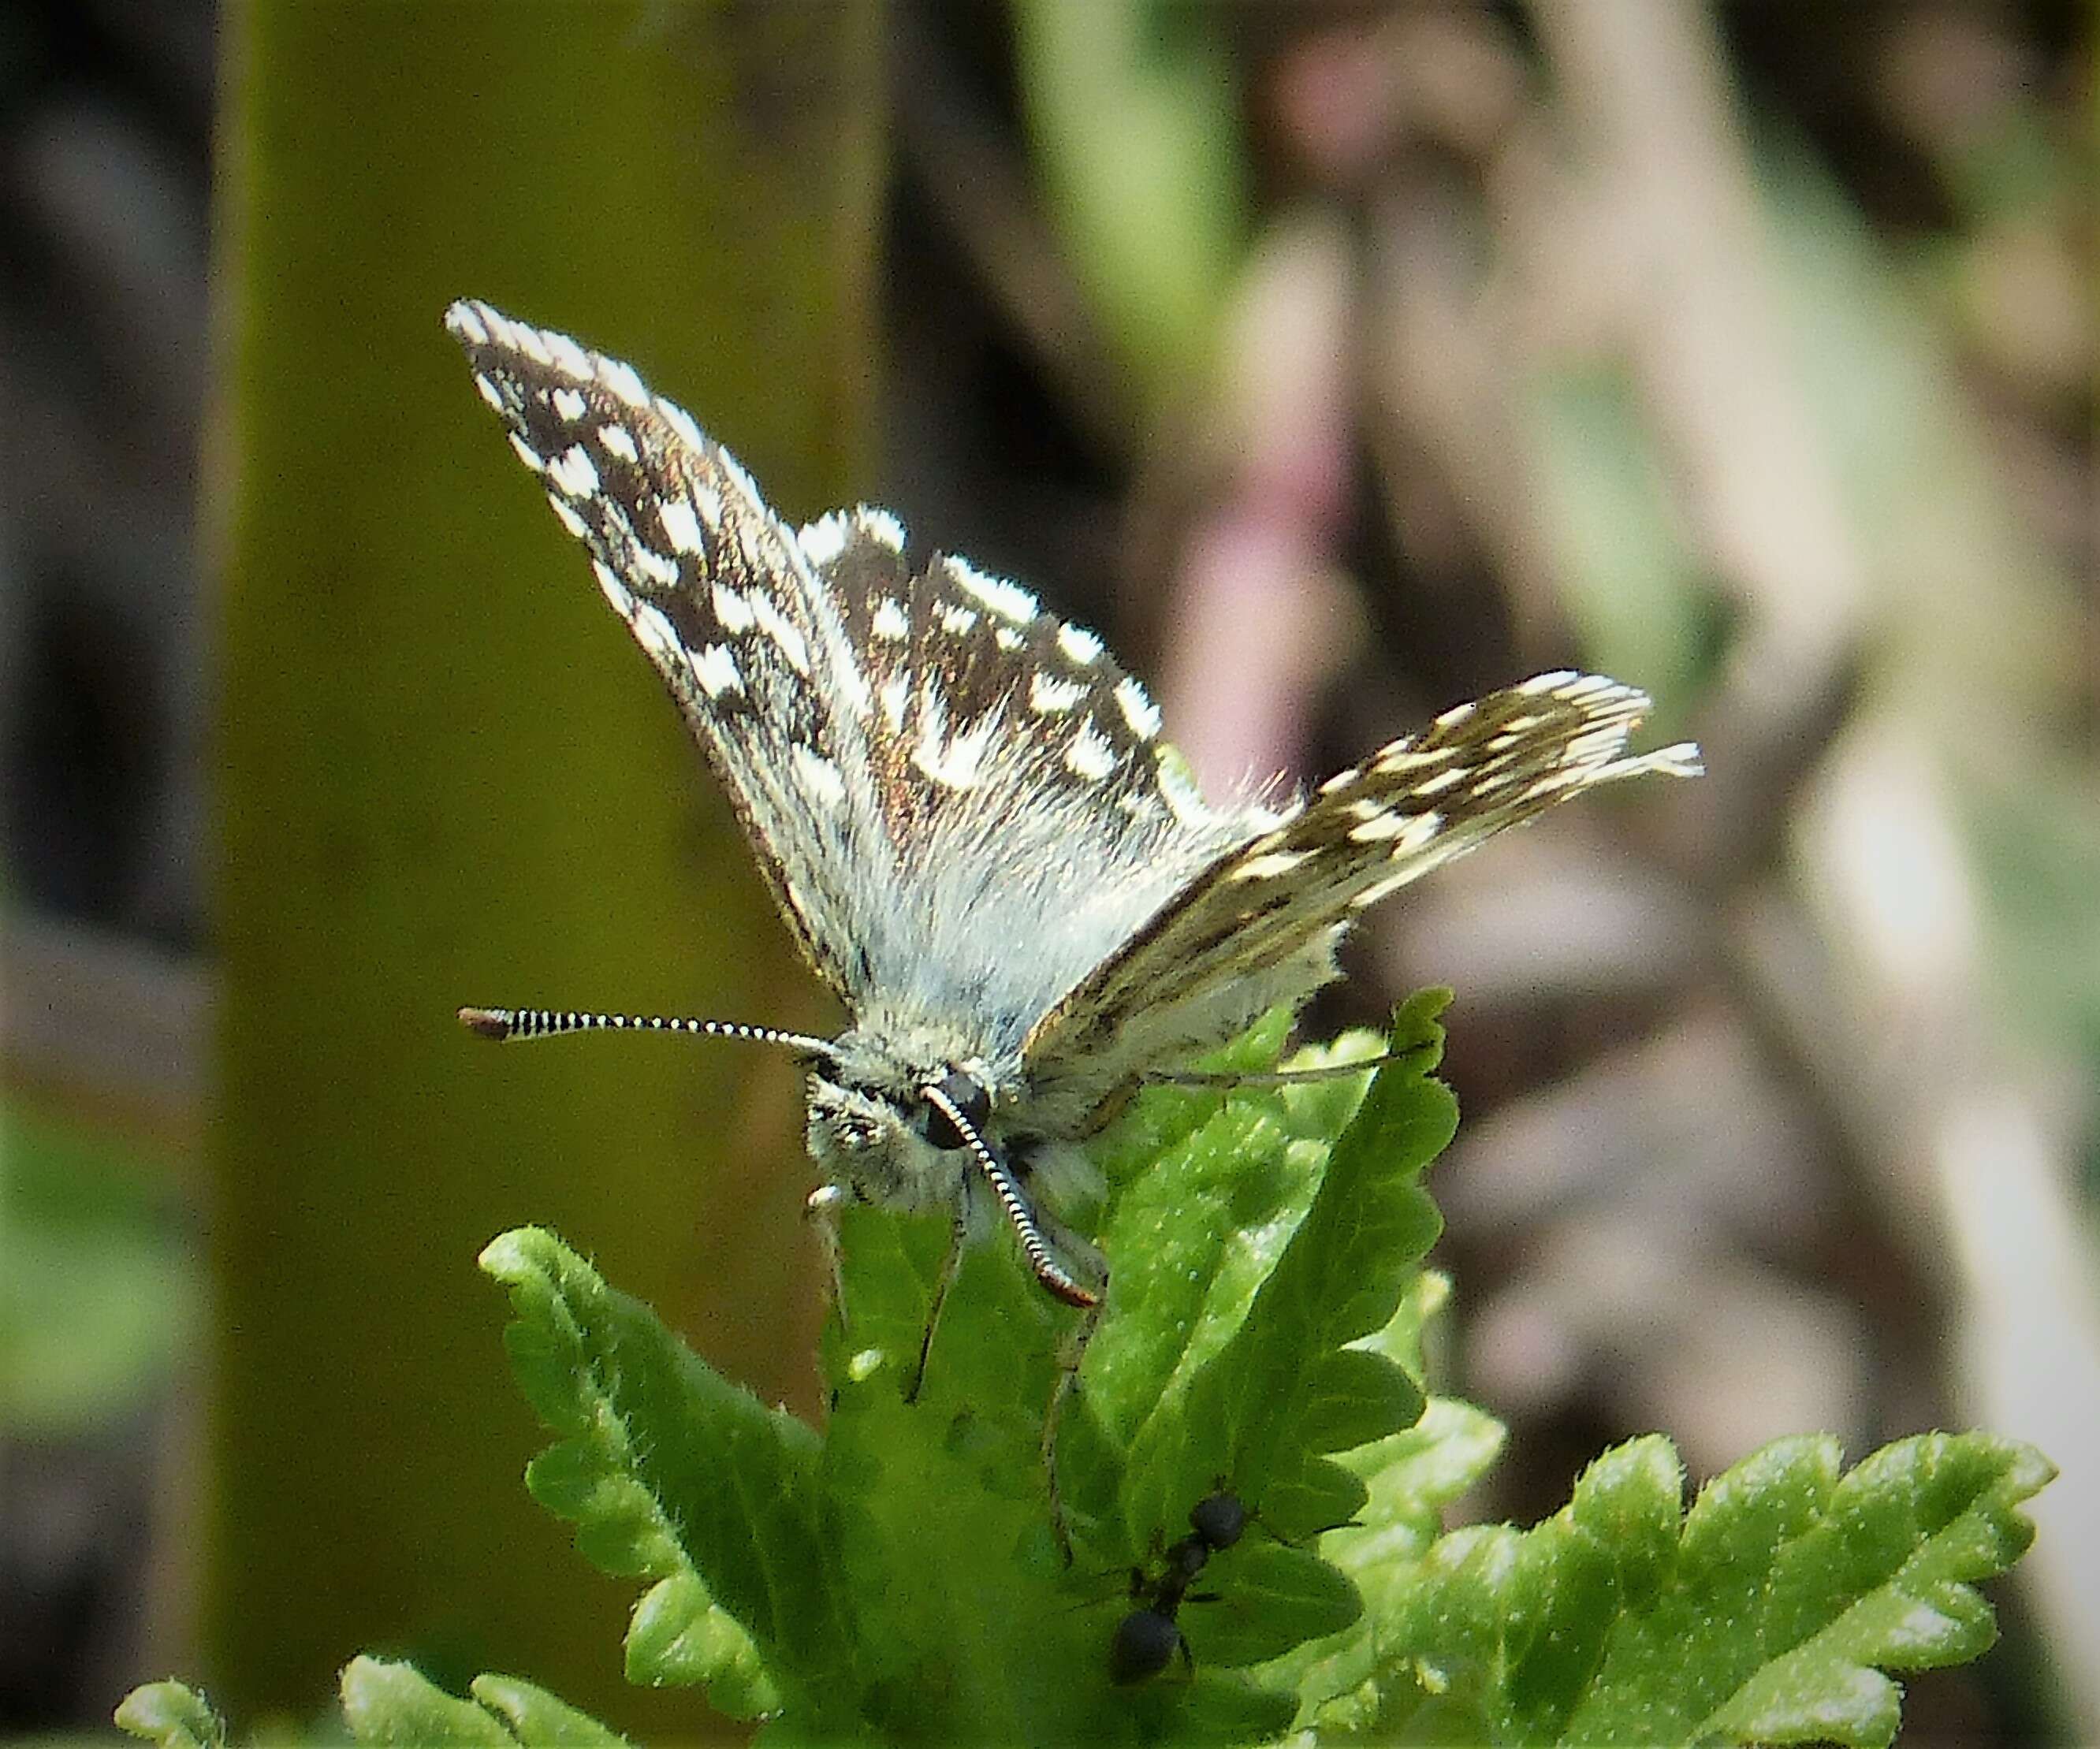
1012, 1202
504, 1024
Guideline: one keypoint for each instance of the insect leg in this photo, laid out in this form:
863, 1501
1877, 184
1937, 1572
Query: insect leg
1067, 1387
951, 1265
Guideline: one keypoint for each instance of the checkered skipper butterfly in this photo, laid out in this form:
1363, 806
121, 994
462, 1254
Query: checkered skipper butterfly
967, 815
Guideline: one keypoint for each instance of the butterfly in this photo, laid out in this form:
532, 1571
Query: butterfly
968, 817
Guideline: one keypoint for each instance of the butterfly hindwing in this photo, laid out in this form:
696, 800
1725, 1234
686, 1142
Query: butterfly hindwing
1037, 817
1411, 806
979, 693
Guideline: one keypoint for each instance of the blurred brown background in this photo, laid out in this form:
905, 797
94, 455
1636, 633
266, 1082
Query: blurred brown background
1337, 362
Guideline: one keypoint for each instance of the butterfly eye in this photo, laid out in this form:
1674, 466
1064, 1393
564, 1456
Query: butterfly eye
967, 1094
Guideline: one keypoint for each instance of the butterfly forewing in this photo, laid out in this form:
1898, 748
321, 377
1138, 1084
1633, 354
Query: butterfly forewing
931, 767
717, 592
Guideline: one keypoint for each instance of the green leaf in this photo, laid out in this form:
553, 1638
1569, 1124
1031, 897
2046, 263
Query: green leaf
1270, 1598
896, 1578
173, 1715
1275, 1394
385, 1702
1769, 1614
966, 1623
536, 1716
670, 1473
1353, 1397
1409, 1478
1205, 1706
964, 1627
680, 1636
1909, 1531
1164, 1115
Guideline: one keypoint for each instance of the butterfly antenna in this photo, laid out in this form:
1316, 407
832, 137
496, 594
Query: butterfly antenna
549, 1023
1034, 1246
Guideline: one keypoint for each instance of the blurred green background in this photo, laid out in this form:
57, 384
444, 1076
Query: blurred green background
1336, 361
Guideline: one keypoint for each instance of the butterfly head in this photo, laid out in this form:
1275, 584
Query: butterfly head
876, 1121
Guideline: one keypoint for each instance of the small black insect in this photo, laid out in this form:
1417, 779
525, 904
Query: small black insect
1147, 1639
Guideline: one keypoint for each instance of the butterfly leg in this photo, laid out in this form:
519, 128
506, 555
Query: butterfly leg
821, 1208
951, 1265
1067, 1388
